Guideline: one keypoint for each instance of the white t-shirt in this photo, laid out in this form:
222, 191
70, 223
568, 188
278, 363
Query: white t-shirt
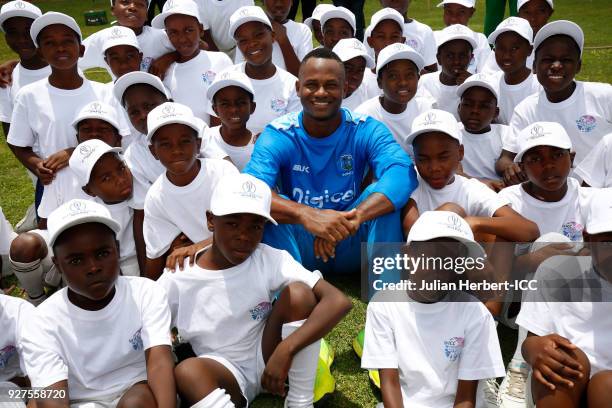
145, 168
433, 346
123, 213
215, 15
170, 209
583, 321
566, 216
370, 82
596, 168
398, 123
586, 115
43, 114
21, 78
100, 352
481, 151
14, 312
240, 155
274, 97
153, 42
7, 235
473, 196
480, 53
511, 95
299, 36
445, 95
189, 81
357, 98
231, 305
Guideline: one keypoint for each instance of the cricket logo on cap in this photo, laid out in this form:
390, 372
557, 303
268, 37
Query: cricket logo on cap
225, 76
510, 23
536, 132
168, 110
430, 119
458, 29
454, 223
249, 189
398, 47
20, 5
245, 12
96, 108
86, 151
355, 44
77, 207
116, 32
171, 4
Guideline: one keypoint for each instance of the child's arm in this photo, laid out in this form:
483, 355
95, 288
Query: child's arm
390, 388
292, 62
506, 224
141, 253
466, 394
58, 160
59, 388
160, 374
551, 365
528, 263
410, 213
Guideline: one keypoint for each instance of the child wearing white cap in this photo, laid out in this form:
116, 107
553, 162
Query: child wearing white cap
582, 108
513, 56
450, 336
314, 22
336, 24
398, 70
482, 139
555, 202
189, 77
460, 12
595, 169
537, 12
438, 150
242, 336
175, 204
232, 100
456, 46
132, 14
292, 41
274, 87
113, 345
357, 62
567, 318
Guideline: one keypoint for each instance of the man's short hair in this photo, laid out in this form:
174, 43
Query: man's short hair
324, 53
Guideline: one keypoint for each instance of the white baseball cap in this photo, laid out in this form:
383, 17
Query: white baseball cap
51, 18
482, 80
245, 15
119, 35
521, 3
138, 77
86, 155
599, 213
464, 3
558, 27
229, 78
171, 7
77, 212
97, 110
387, 13
434, 120
444, 224
399, 51
241, 193
339, 12
541, 134
349, 48
18, 8
317, 13
457, 32
514, 24
171, 112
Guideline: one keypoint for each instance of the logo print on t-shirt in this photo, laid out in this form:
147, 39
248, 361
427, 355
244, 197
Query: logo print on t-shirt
586, 123
5, 355
136, 340
346, 164
278, 105
208, 77
572, 230
453, 347
412, 43
261, 311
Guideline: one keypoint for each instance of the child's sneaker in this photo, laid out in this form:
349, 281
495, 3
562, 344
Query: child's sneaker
490, 392
326, 353
374, 377
512, 390
325, 384
28, 222
358, 343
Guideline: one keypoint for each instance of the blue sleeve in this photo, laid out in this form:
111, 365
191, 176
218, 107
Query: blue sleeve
268, 156
391, 165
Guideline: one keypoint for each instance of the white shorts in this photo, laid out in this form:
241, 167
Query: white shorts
247, 373
110, 401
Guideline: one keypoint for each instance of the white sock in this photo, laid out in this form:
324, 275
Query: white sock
517, 358
30, 276
216, 399
302, 372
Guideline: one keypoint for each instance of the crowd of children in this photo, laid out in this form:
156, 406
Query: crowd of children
201, 196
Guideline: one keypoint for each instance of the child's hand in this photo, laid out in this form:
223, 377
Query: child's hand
514, 175
542, 254
495, 185
44, 174
324, 249
180, 253
280, 31
160, 65
58, 160
275, 374
6, 73
179, 242
551, 364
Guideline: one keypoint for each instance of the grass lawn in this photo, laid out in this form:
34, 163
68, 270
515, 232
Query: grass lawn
353, 388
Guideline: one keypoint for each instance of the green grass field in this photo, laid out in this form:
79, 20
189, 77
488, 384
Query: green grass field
353, 388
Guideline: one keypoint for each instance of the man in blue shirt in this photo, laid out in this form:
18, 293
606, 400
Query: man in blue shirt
318, 160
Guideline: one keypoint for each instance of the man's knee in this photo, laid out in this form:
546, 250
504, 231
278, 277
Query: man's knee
28, 247
299, 301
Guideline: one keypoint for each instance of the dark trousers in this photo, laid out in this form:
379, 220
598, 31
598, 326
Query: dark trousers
356, 6
494, 13
307, 8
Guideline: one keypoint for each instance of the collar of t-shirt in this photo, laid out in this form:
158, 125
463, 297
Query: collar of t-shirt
102, 314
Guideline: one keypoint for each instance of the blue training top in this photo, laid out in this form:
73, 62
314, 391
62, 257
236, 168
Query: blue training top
327, 172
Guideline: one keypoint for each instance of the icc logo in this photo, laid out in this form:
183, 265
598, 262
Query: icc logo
116, 32
20, 5
248, 187
430, 119
454, 221
85, 151
77, 207
96, 108
168, 110
537, 131
398, 47
245, 12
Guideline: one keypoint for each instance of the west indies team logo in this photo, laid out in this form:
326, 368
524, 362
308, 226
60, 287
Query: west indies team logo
6, 353
346, 163
453, 347
278, 105
261, 311
572, 230
208, 77
136, 340
586, 123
